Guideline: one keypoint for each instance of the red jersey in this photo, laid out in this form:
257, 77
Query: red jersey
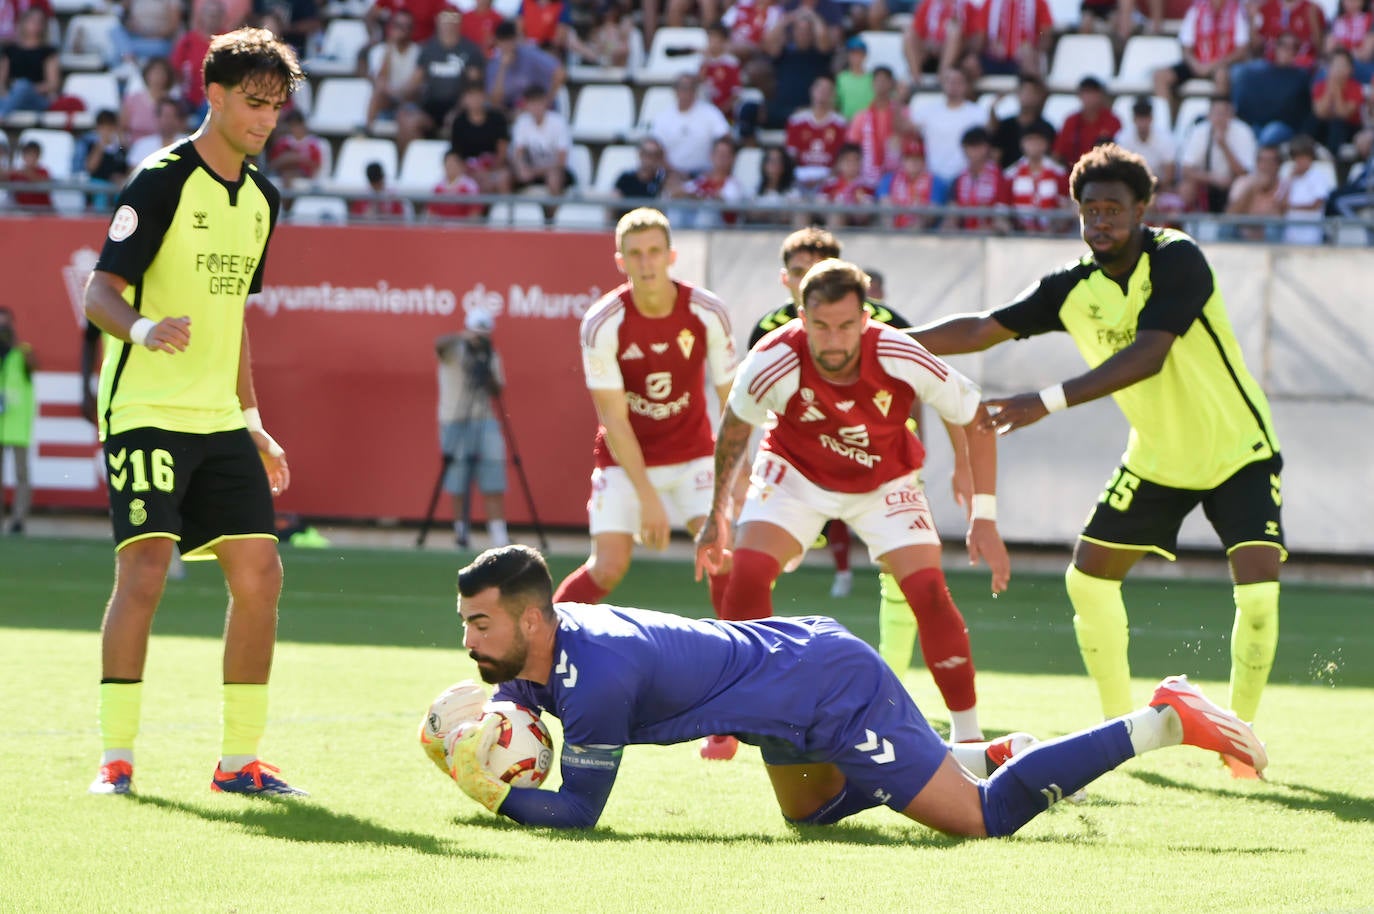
187, 56
465, 186
540, 20
423, 13
662, 366
1214, 31
383, 207
871, 129
749, 20
1302, 19
985, 188
844, 191
31, 198
932, 19
722, 78
1010, 24
1029, 187
853, 437
479, 27
814, 142
908, 191
310, 147
1080, 134
1349, 30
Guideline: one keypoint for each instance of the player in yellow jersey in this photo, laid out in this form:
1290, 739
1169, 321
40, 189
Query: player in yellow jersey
188, 460
1144, 309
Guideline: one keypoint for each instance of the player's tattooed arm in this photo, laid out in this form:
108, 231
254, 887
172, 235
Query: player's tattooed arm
732, 443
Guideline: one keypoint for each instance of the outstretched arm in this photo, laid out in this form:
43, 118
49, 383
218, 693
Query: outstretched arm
961, 333
588, 776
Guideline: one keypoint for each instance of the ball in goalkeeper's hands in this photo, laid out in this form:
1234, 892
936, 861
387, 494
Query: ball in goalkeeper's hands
459, 703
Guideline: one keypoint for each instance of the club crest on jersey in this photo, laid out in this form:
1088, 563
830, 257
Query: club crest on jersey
138, 514
883, 400
257, 227
807, 394
632, 351
658, 348
124, 223
685, 341
845, 405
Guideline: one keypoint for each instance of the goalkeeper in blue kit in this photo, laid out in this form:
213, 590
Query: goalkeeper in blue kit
837, 730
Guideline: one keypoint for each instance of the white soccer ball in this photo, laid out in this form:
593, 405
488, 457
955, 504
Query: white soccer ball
522, 752
459, 703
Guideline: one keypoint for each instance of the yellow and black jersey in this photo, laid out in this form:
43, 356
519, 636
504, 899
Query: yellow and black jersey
775, 319
189, 244
1203, 416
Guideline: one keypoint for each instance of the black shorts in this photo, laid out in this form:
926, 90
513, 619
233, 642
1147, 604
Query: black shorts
195, 489
1137, 513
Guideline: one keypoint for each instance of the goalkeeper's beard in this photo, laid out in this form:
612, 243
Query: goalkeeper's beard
495, 670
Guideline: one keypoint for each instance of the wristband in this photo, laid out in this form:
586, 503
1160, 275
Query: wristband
138, 333
1053, 398
985, 507
253, 419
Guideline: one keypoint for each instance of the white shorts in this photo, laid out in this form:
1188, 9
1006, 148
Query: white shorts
893, 515
686, 490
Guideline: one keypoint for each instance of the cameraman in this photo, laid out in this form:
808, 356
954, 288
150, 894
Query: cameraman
469, 432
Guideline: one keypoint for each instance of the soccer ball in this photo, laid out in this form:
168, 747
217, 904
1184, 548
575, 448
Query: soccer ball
460, 702
522, 752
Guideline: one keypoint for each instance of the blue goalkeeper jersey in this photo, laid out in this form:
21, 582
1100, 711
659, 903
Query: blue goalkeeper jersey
624, 676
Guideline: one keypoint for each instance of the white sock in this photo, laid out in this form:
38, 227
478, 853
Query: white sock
963, 726
973, 756
1153, 728
117, 755
497, 530
231, 763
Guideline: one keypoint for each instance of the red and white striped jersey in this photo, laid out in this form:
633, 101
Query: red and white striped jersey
812, 141
932, 19
852, 437
1212, 31
1043, 187
661, 363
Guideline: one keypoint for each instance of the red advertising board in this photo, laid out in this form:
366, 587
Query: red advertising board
343, 349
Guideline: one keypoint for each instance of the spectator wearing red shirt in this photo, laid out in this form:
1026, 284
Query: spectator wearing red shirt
720, 71
814, 135
1036, 181
747, 21
847, 187
1301, 18
30, 170
981, 184
457, 183
479, 25
423, 14
1010, 36
716, 183
1214, 35
938, 37
188, 54
879, 129
1336, 102
912, 185
381, 203
1085, 128
539, 21
297, 155
1353, 30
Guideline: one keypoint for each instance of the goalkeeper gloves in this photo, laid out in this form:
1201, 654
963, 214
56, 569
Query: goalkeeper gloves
458, 703
465, 748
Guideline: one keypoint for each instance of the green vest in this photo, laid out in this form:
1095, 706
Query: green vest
16, 399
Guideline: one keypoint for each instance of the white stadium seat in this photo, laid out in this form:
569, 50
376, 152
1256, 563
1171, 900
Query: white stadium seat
580, 164
748, 162
1058, 107
86, 44
98, 91
674, 51
1190, 110
656, 99
422, 167
59, 146
519, 214
340, 106
314, 210
354, 155
1077, 56
343, 40
580, 216
614, 161
1144, 54
603, 114
885, 50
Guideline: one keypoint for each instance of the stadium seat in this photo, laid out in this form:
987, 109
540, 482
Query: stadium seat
303, 99
1190, 111
343, 40
1122, 109
98, 91
1143, 55
65, 8
1077, 56
422, 167
580, 216
885, 50
580, 71
518, 214
354, 155
674, 51
603, 114
748, 163
86, 44
315, 210
580, 164
656, 99
1059, 106
1065, 14
613, 162
59, 147
340, 106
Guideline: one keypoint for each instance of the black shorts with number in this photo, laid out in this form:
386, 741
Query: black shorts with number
1245, 509
196, 489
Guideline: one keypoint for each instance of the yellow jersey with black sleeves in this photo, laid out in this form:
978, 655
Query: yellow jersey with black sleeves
775, 319
189, 244
1204, 416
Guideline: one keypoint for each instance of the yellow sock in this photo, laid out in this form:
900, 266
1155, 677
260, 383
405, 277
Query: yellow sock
1254, 638
1100, 623
896, 625
121, 705
245, 718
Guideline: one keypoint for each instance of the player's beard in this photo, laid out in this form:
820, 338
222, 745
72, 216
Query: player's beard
495, 670
834, 361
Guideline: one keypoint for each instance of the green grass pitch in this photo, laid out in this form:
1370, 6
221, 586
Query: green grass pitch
369, 637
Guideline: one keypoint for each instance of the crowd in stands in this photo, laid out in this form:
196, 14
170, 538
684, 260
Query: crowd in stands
959, 120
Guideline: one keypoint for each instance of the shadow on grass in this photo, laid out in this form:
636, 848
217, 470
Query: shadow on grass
1297, 797
293, 820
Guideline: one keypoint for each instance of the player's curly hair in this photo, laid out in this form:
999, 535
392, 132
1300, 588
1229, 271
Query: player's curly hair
810, 240
1109, 162
517, 572
249, 55
830, 281
640, 220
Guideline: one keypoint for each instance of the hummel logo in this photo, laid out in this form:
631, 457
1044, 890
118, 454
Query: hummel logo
659, 348
565, 667
871, 742
812, 414
845, 405
632, 351
201, 218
